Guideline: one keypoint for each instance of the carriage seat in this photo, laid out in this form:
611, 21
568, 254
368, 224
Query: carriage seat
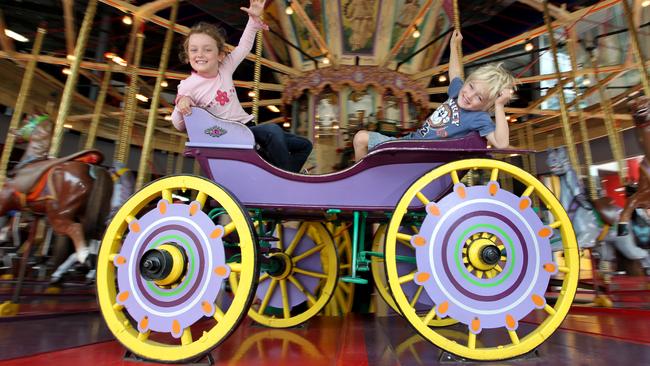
27, 176
206, 130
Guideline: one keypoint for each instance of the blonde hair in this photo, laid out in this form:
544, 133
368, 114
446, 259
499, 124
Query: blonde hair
208, 29
495, 77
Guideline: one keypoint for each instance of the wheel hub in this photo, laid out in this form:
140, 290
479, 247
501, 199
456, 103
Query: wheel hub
164, 265
280, 265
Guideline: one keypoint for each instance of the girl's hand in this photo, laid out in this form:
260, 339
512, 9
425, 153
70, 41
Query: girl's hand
256, 8
185, 105
456, 38
504, 97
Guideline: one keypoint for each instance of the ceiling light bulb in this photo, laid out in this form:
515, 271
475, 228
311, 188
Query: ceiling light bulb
645, 3
15, 36
286, 125
168, 117
141, 98
326, 61
442, 78
66, 71
164, 83
416, 33
251, 94
529, 46
288, 10
586, 82
127, 20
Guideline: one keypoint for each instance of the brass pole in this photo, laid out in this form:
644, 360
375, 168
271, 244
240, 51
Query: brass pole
124, 139
586, 148
71, 82
457, 28
97, 113
521, 136
566, 126
256, 75
20, 104
180, 158
636, 49
612, 131
530, 142
153, 110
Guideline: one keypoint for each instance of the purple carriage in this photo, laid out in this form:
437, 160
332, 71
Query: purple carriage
460, 256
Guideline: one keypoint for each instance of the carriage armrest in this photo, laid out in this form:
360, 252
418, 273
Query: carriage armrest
206, 130
470, 142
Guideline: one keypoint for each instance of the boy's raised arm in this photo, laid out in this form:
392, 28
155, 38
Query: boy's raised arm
455, 66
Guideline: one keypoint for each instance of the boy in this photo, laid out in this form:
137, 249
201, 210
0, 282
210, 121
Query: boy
466, 109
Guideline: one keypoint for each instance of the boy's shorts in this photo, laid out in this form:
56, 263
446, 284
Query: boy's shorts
375, 138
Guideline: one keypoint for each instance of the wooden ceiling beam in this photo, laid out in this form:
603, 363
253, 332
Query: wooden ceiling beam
555, 11
304, 18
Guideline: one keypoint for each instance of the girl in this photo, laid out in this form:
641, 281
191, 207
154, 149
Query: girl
211, 87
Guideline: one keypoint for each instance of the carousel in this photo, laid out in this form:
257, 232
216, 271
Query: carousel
197, 247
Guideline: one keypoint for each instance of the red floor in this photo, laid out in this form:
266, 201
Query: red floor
587, 336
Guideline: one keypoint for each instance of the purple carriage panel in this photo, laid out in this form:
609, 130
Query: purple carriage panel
377, 182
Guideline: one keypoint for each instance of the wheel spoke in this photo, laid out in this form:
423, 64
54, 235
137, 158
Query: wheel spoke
471, 340
201, 197
167, 195
235, 267
307, 253
310, 273
430, 315
302, 289
513, 336
267, 297
494, 175
425, 201
186, 337
529, 190
416, 296
229, 228
142, 337
406, 278
264, 277
563, 269
454, 177
296, 239
556, 224
218, 314
286, 309
279, 229
549, 309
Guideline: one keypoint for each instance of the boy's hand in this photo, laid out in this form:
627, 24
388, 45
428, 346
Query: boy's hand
185, 105
504, 97
456, 38
256, 8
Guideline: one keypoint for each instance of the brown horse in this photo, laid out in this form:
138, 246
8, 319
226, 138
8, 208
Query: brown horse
73, 192
640, 199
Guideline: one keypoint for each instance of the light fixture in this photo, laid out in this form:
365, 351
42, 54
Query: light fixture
251, 94
442, 78
127, 20
141, 98
273, 108
109, 55
66, 71
70, 57
164, 83
416, 33
67, 125
120, 61
168, 117
289, 10
586, 81
286, 124
529, 46
326, 60
15, 36
645, 3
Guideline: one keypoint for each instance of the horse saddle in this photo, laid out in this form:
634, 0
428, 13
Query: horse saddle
607, 209
27, 176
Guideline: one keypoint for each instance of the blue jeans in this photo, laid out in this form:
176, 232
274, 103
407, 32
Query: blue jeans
284, 150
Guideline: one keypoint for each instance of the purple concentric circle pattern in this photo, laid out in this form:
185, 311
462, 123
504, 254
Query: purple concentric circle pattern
521, 277
173, 309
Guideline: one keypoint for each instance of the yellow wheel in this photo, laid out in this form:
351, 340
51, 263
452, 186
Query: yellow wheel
484, 257
298, 278
341, 302
163, 268
418, 298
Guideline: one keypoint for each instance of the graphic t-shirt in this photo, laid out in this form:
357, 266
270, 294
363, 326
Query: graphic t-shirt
449, 120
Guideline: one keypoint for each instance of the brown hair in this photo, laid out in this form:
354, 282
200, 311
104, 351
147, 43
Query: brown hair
216, 32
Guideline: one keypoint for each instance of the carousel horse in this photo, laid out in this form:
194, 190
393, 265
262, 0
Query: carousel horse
581, 212
73, 192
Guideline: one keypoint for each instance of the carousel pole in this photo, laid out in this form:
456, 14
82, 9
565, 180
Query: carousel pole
531, 157
612, 132
636, 49
457, 28
25, 87
257, 75
71, 82
97, 113
566, 126
170, 157
586, 148
153, 110
180, 158
124, 139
